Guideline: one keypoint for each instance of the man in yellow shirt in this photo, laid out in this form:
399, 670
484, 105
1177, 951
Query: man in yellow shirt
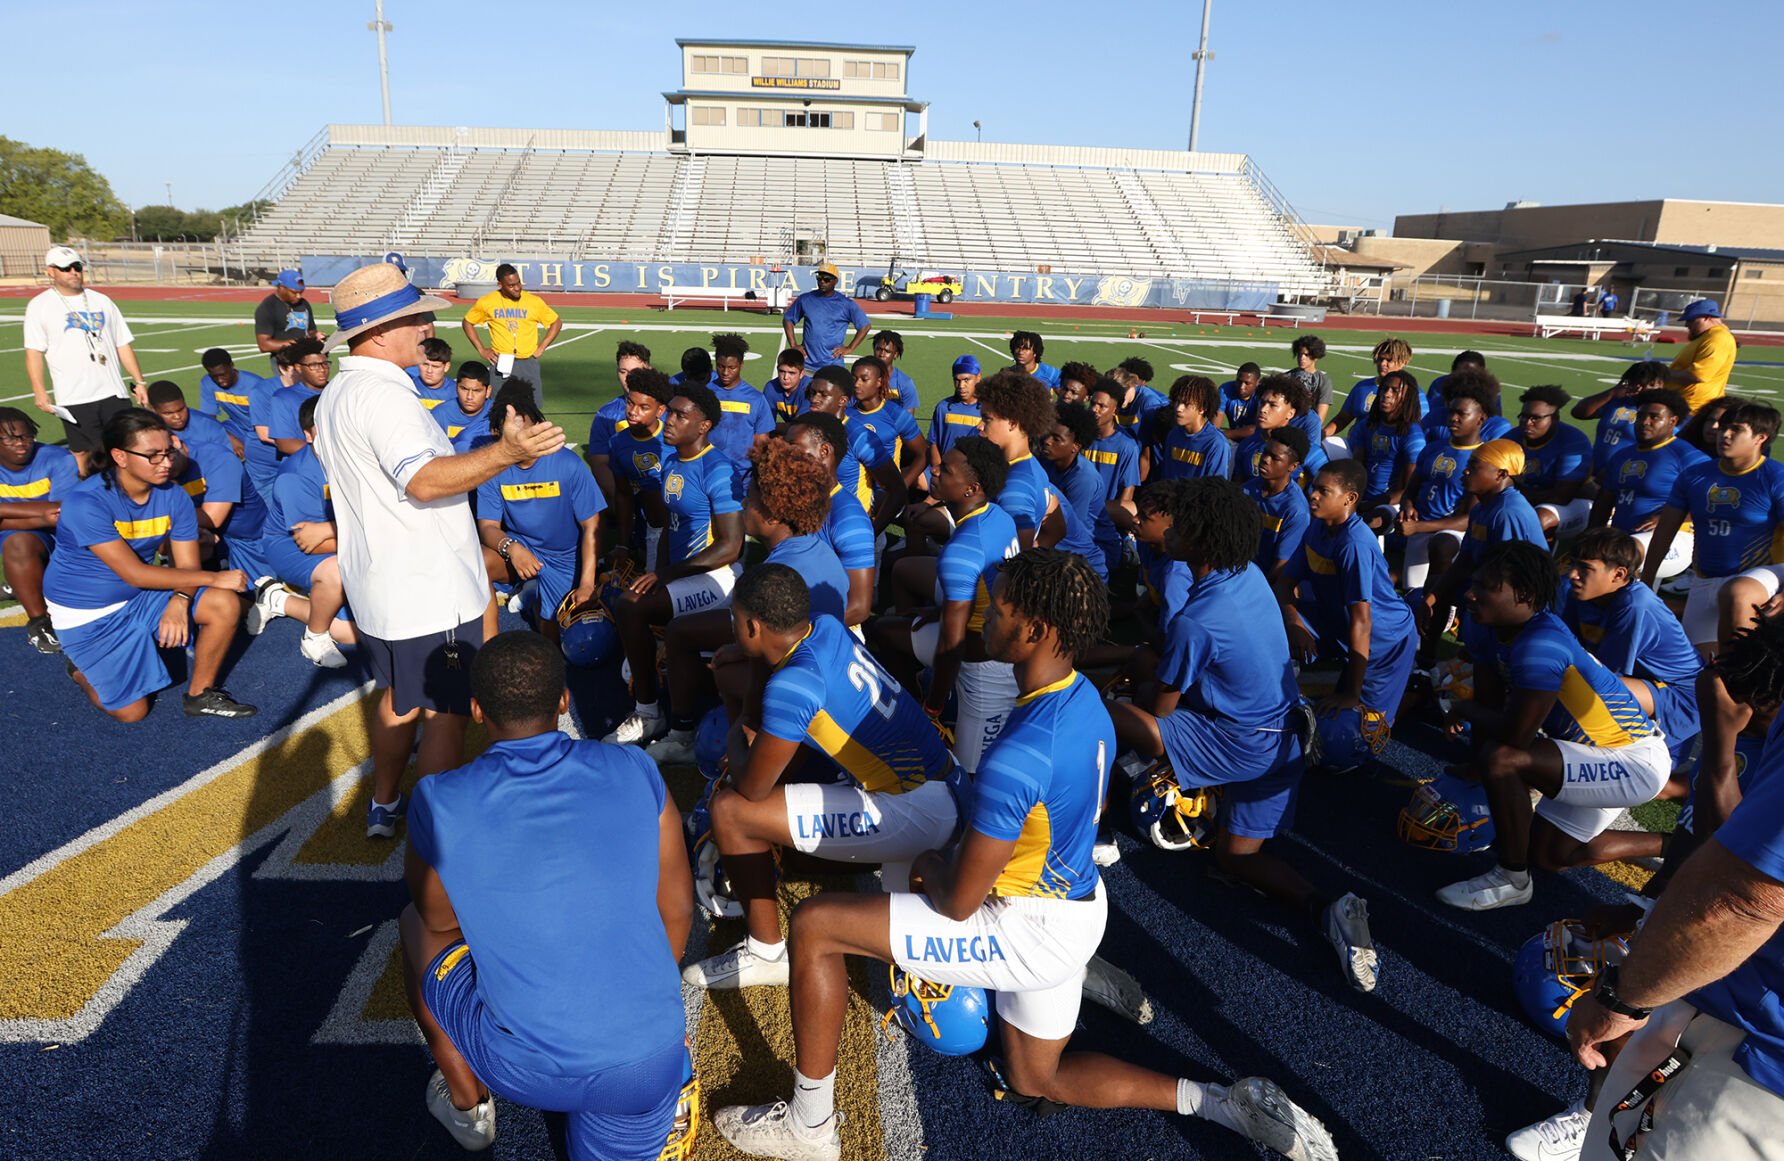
1700, 371
514, 317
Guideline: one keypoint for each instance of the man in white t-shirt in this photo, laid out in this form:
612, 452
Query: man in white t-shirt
409, 555
84, 341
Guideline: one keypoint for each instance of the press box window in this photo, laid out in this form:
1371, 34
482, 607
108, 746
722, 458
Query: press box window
883, 122
877, 70
708, 114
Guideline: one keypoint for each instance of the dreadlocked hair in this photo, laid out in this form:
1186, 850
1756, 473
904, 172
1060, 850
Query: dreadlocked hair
1751, 664
14, 415
1406, 415
1060, 590
1157, 497
1528, 570
793, 487
1218, 522
730, 346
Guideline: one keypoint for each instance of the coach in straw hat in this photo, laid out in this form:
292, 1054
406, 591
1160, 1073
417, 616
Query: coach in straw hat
410, 559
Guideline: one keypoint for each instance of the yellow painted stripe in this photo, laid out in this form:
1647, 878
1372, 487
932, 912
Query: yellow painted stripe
25, 491
142, 529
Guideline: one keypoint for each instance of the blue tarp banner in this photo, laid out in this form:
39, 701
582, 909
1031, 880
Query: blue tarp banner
556, 274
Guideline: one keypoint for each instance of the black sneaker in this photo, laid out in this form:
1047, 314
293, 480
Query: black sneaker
42, 635
6, 593
215, 702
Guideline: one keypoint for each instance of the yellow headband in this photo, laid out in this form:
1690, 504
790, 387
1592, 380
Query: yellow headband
1503, 454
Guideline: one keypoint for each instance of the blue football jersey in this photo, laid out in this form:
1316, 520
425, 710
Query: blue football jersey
695, 490
967, 567
1737, 518
1644, 478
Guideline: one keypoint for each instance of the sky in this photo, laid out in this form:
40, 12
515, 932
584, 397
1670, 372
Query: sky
1356, 112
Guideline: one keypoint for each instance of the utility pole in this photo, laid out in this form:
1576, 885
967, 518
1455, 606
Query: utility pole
1201, 56
381, 26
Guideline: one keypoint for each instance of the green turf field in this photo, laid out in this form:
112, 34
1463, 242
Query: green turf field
578, 370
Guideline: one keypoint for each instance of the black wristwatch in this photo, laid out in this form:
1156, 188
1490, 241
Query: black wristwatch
1607, 997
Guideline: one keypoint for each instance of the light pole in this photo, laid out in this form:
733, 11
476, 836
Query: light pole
381, 26
169, 186
1201, 56
980, 133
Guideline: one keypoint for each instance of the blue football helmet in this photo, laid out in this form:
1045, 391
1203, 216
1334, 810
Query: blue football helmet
1448, 814
587, 635
610, 583
1172, 817
953, 1020
1350, 738
1557, 966
709, 743
712, 887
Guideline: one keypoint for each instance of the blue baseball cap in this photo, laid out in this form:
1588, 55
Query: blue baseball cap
1702, 308
290, 280
966, 365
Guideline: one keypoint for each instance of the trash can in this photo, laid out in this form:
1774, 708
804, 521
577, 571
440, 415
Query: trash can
1443, 308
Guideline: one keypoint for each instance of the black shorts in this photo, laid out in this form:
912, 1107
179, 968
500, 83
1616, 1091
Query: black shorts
87, 432
416, 673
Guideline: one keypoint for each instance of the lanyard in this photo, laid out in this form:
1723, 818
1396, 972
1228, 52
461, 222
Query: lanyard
1641, 1097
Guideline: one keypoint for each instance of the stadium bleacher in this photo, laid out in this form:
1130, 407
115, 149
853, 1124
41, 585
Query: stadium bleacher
627, 196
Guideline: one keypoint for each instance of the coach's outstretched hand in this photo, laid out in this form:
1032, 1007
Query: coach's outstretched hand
524, 440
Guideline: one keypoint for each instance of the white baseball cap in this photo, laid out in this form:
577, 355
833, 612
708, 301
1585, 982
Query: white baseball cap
61, 256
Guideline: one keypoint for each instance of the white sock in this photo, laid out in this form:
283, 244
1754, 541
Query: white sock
1518, 879
309, 636
389, 804
767, 950
680, 736
1190, 1096
275, 600
647, 709
814, 1103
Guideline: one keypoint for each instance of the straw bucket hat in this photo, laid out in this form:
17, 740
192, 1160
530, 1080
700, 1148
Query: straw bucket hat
375, 294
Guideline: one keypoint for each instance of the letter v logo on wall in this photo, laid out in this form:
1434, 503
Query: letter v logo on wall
83, 923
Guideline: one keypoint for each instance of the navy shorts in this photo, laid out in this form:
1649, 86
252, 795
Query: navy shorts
617, 1114
1258, 771
416, 672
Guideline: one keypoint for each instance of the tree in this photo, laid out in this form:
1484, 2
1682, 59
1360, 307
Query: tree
60, 190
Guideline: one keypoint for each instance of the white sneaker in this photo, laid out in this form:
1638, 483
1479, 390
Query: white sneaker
474, 1128
1346, 924
739, 967
1485, 892
676, 749
1258, 1108
1108, 986
321, 650
1559, 1138
1105, 854
638, 730
269, 605
767, 1131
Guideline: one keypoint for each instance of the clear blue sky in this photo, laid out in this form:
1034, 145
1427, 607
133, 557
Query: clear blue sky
1356, 111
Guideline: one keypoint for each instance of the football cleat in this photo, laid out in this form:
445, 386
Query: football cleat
1557, 966
950, 1019
473, 1128
767, 1131
1346, 925
738, 967
1109, 987
1561, 1137
1448, 814
1258, 1108
1171, 817
1488, 892
638, 730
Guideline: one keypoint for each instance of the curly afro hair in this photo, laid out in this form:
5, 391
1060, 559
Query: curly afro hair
793, 487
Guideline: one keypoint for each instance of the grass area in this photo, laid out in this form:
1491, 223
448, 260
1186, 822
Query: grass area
579, 370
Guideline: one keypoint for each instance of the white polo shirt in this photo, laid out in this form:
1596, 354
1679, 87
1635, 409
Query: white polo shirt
410, 569
79, 335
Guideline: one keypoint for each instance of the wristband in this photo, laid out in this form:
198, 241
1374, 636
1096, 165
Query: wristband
502, 548
1607, 997
187, 596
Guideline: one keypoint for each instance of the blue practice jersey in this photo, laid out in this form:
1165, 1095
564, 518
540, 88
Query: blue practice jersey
1565, 457
1167, 581
1251, 449
1080, 485
1135, 417
609, 421
462, 430
1077, 537
261, 458
1285, 521
1116, 458
865, 456
543, 506
1183, 456
282, 412
1040, 784
95, 514
433, 397
848, 530
902, 390
1344, 566
1594, 707
234, 406
50, 474
827, 319
951, 420
1500, 519
830, 692
299, 495
695, 490
1643, 478
1382, 451
213, 475
548, 849
201, 428
747, 414
1024, 494
1436, 488
1233, 405
1226, 652
967, 567
1736, 517
787, 404
816, 563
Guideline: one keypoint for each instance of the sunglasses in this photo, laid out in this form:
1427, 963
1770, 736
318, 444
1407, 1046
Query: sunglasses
75, 266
